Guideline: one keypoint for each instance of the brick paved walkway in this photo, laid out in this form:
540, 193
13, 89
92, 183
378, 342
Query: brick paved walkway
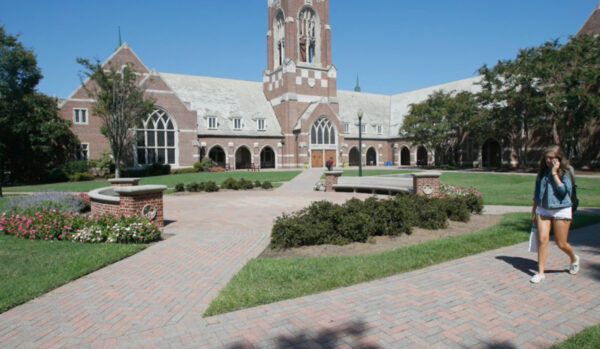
156, 298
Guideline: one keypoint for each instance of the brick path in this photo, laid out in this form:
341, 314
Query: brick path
156, 298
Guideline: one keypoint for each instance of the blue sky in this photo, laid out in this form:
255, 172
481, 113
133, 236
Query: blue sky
394, 45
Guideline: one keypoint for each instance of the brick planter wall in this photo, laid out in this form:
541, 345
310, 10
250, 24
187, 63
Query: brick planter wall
128, 200
331, 178
430, 179
123, 182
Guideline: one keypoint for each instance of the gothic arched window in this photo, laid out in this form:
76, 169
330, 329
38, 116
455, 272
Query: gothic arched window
156, 139
322, 132
279, 39
307, 35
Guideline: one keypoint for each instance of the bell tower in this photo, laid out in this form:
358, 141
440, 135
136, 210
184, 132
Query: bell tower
300, 77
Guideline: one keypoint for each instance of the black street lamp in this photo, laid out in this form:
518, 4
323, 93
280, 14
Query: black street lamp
360, 115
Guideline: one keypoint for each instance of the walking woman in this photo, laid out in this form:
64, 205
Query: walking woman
552, 207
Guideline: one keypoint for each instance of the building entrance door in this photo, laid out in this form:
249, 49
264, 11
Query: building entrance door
330, 154
316, 158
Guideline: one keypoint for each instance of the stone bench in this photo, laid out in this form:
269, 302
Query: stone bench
375, 184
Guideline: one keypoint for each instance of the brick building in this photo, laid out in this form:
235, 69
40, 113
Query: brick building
295, 117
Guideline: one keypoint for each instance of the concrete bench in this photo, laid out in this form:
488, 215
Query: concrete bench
375, 184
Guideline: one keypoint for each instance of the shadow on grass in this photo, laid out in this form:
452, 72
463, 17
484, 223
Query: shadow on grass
327, 338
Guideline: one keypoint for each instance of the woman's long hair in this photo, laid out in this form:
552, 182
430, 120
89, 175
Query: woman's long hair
564, 162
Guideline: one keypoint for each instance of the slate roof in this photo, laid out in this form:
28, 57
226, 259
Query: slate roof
225, 99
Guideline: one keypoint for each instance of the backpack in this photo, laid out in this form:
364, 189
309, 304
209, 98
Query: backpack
574, 199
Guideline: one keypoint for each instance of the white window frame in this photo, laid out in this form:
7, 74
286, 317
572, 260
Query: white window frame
346, 127
364, 128
78, 115
379, 129
212, 120
80, 148
259, 123
238, 121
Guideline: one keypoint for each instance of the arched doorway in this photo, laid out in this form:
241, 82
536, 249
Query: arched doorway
243, 158
371, 157
323, 142
217, 154
404, 157
267, 158
421, 156
353, 157
490, 154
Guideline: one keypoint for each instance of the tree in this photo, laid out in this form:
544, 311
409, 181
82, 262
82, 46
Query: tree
33, 139
120, 103
512, 93
442, 121
570, 78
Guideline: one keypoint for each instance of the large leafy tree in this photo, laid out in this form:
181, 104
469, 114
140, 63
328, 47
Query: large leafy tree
443, 120
513, 94
33, 138
120, 102
570, 79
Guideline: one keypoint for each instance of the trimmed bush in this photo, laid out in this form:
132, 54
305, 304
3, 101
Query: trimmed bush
76, 166
257, 184
245, 184
192, 187
80, 177
455, 208
230, 183
184, 170
56, 175
179, 187
266, 185
198, 166
211, 186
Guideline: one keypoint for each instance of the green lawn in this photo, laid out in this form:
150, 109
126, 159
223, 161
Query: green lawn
502, 189
586, 339
263, 281
168, 180
31, 268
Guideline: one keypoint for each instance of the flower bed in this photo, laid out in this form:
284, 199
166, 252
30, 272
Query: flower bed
68, 226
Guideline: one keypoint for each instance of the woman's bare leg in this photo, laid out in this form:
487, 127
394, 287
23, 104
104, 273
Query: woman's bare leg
543, 226
561, 232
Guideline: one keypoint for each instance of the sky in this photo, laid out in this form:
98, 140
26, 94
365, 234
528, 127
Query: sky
392, 45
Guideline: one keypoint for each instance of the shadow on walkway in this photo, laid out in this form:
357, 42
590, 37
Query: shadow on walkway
352, 332
526, 265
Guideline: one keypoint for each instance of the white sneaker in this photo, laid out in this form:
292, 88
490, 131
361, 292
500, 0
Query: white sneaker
537, 278
574, 266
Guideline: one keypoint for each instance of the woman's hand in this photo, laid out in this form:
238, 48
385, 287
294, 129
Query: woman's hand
555, 166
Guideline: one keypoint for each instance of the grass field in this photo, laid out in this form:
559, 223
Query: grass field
502, 189
168, 180
33, 267
586, 339
263, 281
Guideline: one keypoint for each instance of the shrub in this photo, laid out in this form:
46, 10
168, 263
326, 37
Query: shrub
474, 202
76, 166
245, 184
455, 208
472, 196
56, 175
207, 163
184, 170
427, 212
211, 186
179, 187
80, 177
158, 169
198, 166
107, 228
47, 200
192, 187
266, 185
230, 183
102, 166
257, 184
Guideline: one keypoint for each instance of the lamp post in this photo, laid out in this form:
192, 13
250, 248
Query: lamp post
360, 115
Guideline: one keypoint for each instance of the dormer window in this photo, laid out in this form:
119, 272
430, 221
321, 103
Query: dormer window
237, 123
260, 125
212, 122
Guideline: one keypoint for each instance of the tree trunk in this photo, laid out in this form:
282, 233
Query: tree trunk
555, 135
117, 157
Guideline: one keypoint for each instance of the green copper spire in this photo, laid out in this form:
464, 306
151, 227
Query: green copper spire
357, 87
119, 37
